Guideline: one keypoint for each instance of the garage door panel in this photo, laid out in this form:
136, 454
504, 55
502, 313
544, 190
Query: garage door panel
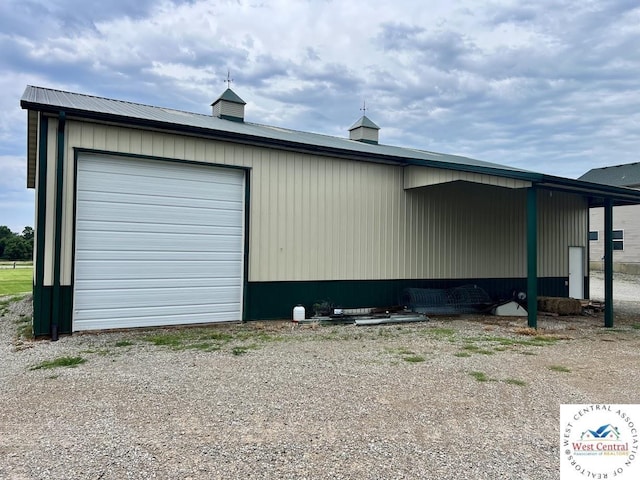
226, 202
160, 215
161, 283
105, 321
165, 242
160, 268
157, 243
170, 297
130, 190
115, 226
201, 257
123, 167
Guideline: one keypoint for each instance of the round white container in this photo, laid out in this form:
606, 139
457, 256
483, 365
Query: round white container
298, 313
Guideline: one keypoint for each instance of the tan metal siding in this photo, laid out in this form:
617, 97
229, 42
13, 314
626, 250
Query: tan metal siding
464, 230
625, 218
323, 218
50, 209
562, 223
415, 177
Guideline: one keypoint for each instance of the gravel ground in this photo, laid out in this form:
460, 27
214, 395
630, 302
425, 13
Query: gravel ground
268, 401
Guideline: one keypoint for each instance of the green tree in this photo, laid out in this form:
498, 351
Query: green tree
17, 248
5, 235
27, 234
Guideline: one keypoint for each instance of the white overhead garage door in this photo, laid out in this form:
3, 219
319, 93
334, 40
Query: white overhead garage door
157, 243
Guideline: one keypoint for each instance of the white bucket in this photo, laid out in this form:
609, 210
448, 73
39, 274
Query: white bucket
298, 313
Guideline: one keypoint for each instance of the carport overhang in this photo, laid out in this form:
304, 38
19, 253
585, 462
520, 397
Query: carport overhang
597, 195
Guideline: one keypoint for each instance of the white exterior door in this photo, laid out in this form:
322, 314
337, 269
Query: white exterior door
157, 243
576, 272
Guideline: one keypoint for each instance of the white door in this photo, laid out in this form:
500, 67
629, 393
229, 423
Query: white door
157, 243
576, 272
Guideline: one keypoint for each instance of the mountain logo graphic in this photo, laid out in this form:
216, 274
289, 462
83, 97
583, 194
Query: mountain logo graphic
605, 432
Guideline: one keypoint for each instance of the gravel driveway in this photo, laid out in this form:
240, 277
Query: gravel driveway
452, 398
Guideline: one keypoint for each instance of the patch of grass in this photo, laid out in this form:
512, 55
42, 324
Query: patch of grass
440, 331
413, 358
166, 339
462, 354
559, 368
124, 343
515, 381
636, 326
97, 351
471, 347
25, 327
59, 362
239, 350
480, 376
16, 280
204, 346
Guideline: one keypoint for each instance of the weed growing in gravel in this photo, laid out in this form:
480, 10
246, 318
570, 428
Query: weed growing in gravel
25, 327
559, 368
636, 326
406, 354
239, 350
166, 339
480, 376
4, 304
515, 381
462, 354
59, 362
124, 343
413, 358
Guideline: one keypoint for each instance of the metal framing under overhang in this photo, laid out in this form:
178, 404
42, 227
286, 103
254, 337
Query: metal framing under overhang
157, 243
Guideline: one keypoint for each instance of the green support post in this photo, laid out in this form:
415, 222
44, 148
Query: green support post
532, 257
608, 263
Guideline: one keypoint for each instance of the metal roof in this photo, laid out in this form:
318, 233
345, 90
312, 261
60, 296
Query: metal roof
54, 100
75, 105
627, 175
364, 121
230, 96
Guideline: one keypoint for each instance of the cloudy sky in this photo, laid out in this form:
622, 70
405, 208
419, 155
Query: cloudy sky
549, 86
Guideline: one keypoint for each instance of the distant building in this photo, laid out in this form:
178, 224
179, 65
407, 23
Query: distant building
148, 216
626, 220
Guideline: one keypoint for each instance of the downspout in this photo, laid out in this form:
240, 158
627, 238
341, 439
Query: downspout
57, 253
532, 257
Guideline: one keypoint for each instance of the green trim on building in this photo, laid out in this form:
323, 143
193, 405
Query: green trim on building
247, 222
275, 300
608, 263
57, 248
41, 302
532, 257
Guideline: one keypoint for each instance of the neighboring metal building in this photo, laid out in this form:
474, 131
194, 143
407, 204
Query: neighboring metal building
152, 216
626, 220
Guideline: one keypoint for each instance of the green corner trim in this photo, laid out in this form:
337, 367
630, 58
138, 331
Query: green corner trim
56, 309
532, 257
608, 263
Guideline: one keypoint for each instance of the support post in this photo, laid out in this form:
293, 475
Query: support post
608, 263
532, 257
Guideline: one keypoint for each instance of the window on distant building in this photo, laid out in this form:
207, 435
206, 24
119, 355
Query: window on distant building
593, 235
618, 239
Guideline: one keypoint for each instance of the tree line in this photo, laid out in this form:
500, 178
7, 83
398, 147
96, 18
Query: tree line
16, 246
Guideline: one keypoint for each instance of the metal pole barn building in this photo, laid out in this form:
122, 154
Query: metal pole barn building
148, 216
